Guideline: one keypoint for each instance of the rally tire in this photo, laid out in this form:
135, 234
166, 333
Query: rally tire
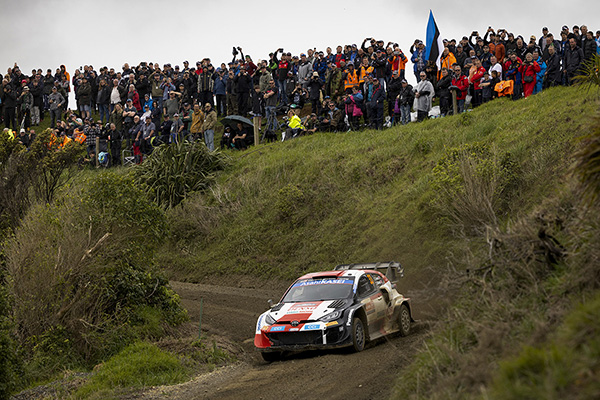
271, 356
359, 337
404, 320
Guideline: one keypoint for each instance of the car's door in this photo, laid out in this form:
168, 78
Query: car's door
374, 304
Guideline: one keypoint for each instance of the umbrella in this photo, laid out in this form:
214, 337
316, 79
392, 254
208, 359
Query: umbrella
234, 119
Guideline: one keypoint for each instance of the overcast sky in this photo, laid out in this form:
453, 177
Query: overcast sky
45, 34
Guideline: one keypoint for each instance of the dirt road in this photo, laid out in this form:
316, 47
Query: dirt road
232, 312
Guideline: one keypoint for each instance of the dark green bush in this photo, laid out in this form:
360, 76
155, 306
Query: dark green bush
174, 171
83, 266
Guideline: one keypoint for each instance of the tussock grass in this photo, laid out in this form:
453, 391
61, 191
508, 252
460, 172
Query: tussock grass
366, 195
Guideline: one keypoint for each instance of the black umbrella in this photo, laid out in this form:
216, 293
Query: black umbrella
234, 119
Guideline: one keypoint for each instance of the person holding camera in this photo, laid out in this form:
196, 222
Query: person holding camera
529, 71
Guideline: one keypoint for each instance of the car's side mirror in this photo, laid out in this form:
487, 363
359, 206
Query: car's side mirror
270, 303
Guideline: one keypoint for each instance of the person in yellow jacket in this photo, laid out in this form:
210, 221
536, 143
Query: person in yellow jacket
197, 122
295, 127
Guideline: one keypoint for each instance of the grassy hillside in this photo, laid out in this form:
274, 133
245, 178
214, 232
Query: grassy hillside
312, 202
486, 201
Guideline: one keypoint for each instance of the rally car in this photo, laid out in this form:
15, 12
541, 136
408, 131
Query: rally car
349, 306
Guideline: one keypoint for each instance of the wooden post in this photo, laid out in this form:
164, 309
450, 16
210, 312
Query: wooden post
97, 150
200, 322
256, 136
454, 103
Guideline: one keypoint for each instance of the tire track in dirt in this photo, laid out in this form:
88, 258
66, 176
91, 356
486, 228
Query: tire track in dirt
232, 312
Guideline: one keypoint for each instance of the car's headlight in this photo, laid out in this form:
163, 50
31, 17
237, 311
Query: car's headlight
269, 320
331, 316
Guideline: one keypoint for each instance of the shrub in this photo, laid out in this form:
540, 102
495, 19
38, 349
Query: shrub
587, 166
174, 171
83, 265
474, 184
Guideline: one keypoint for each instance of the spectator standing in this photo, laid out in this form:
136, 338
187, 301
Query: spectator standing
553, 71
461, 82
376, 105
539, 82
56, 101
405, 100
305, 70
475, 75
115, 94
103, 100
243, 83
529, 71
572, 60
443, 91
210, 120
512, 69
37, 91
424, 92
231, 94
197, 122
220, 90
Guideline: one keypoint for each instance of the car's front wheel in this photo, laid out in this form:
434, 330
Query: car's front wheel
359, 337
271, 356
404, 320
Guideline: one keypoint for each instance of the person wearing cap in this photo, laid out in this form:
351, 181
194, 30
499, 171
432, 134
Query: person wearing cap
418, 59
84, 97
512, 69
397, 61
443, 89
55, 101
588, 44
394, 87
375, 105
510, 43
529, 70
210, 120
539, 83
25, 101
461, 83
243, 85
350, 78
542, 42
405, 100
334, 86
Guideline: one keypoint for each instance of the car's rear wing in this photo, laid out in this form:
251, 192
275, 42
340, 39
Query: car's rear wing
391, 269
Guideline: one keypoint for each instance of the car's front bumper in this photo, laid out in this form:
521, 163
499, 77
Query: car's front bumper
317, 335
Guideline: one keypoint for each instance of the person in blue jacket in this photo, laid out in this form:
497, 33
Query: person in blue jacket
418, 59
540, 75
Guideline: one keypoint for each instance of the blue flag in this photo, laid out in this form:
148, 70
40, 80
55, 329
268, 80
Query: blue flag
435, 46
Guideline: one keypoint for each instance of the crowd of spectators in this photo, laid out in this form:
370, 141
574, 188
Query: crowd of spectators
347, 89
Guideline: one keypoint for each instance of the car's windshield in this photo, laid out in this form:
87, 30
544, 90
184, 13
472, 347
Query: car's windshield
320, 289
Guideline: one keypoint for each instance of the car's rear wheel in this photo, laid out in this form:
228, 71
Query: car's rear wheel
271, 356
404, 320
359, 337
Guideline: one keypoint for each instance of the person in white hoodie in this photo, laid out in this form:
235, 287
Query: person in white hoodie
424, 92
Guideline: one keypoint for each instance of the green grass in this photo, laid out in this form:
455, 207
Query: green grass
310, 203
139, 365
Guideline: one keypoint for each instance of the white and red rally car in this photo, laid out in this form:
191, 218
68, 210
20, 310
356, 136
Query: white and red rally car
348, 306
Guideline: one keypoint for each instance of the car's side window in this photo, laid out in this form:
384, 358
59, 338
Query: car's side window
365, 286
377, 279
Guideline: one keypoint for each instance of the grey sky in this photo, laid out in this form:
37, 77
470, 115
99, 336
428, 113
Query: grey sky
45, 34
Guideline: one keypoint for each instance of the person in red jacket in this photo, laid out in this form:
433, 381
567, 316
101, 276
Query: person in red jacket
529, 71
462, 83
475, 75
